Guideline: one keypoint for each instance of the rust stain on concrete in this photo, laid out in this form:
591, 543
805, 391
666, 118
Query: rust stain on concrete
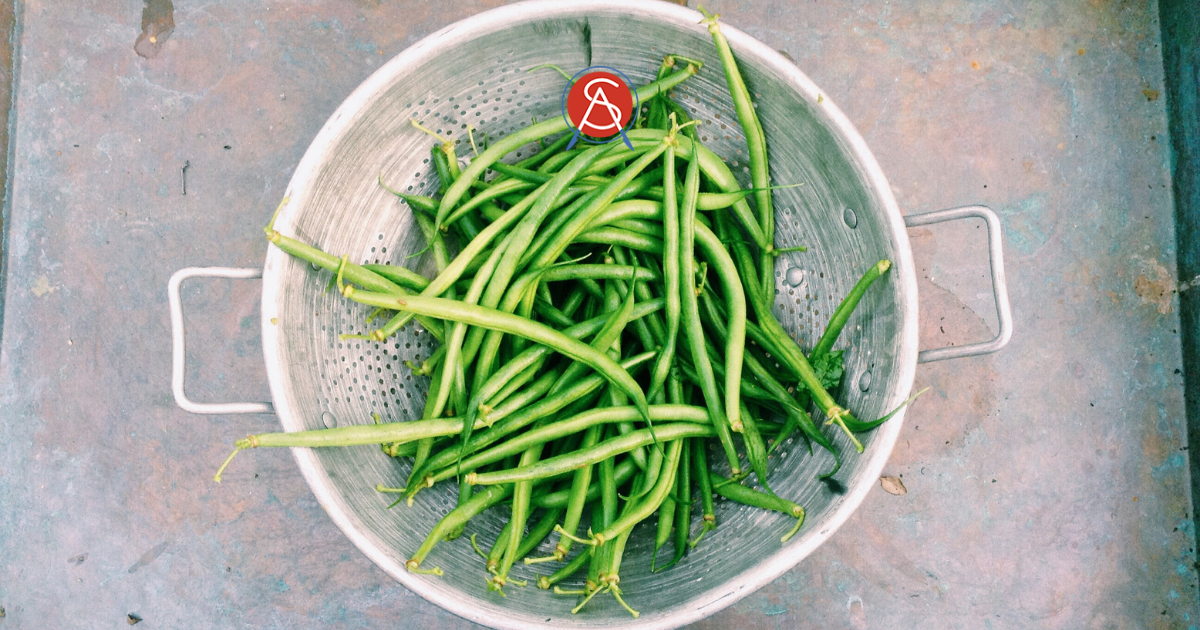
158, 22
1156, 286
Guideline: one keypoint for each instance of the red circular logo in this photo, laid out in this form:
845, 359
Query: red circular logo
600, 104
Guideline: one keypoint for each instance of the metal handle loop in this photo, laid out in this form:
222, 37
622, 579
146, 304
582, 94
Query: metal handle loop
177, 348
999, 284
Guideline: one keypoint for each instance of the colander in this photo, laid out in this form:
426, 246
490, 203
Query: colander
473, 74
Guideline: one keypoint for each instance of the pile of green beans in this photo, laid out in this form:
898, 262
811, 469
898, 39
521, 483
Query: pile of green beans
605, 318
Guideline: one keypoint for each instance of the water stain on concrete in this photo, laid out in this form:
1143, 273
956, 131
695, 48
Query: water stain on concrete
158, 22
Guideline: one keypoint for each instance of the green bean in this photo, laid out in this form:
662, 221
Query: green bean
539, 158
671, 245
551, 227
708, 201
459, 334
496, 320
600, 553
574, 424
756, 449
650, 330
496, 553
458, 516
430, 412
571, 568
408, 449
455, 269
522, 494
649, 504
552, 315
526, 415
847, 306
608, 508
629, 209
736, 304
624, 238
559, 498
756, 144
683, 506
401, 276
539, 532
523, 489
690, 317
419, 203
499, 289
465, 492
577, 498
791, 354
358, 434
749, 388
714, 169
754, 498
640, 226
859, 426
489, 390
599, 272
489, 196
574, 301
555, 162
353, 273
442, 166
517, 382
663, 528
483, 392
656, 116
608, 337
796, 414
518, 173
596, 204
556, 124
608, 448
700, 465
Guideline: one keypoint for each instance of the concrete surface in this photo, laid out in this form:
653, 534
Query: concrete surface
1047, 485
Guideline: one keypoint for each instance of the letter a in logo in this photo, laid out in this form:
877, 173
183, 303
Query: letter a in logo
599, 106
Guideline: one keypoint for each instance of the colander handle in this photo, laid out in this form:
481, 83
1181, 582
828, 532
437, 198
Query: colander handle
999, 284
177, 349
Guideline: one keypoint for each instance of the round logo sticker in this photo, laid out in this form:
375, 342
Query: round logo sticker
599, 105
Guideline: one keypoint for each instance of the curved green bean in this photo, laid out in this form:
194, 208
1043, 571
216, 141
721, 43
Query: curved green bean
608, 448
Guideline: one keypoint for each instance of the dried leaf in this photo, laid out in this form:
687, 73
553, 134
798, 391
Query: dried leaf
893, 485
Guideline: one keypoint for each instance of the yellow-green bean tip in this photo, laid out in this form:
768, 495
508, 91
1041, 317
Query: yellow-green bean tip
414, 566
217, 477
617, 594
496, 583
554, 557
271, 225
799, 522
429, 131
590, 595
